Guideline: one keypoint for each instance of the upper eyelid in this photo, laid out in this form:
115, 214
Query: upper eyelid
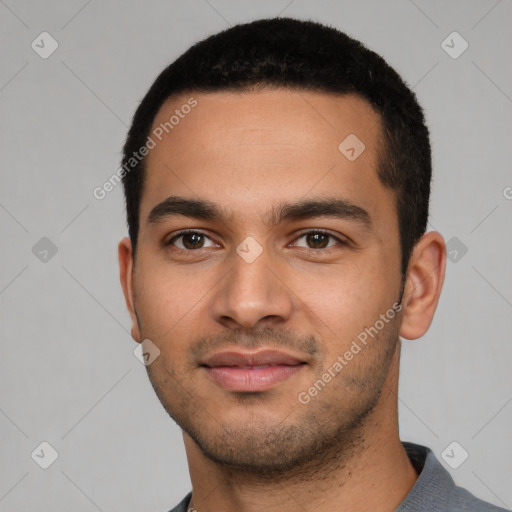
319, 230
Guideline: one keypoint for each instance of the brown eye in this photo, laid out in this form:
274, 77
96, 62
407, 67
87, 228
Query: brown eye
317, 240
191, 240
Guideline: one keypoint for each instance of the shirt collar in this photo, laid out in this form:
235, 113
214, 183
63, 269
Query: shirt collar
434, 484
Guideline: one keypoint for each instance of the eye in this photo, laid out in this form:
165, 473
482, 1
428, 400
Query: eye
317, 240
191, 240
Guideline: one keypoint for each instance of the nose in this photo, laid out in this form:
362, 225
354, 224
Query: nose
252, 294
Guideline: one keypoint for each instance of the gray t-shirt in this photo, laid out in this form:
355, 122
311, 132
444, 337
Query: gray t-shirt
434, 491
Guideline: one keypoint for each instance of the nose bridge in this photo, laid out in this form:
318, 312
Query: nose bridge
251, 291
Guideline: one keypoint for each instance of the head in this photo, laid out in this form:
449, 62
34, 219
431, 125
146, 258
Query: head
298, 163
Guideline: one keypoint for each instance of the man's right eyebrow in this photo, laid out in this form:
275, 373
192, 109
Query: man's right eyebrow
194, 208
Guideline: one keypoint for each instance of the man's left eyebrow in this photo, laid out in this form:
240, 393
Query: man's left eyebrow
313, 208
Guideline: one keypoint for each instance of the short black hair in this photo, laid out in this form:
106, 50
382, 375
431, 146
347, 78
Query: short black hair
306, 56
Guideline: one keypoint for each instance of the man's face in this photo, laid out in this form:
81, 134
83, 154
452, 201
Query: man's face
296, 251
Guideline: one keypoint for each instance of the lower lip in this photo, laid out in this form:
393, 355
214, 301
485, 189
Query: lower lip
251, 379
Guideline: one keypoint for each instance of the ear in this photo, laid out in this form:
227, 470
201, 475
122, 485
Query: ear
126, 274
425, 277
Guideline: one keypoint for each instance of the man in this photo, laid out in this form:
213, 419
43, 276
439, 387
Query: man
277, 180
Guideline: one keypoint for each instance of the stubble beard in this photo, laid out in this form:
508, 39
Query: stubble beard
311, 440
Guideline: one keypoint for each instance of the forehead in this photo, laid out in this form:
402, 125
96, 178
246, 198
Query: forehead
269, 116
253, 148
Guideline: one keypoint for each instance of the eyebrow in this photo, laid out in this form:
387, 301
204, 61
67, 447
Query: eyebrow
202, 209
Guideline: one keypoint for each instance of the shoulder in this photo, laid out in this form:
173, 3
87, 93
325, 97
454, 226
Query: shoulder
183, 505
461, 500
435, 489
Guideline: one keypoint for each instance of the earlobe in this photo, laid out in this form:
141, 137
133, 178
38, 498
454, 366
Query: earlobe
125, 254
425, 277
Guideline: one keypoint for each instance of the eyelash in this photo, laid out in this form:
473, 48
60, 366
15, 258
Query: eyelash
300, 235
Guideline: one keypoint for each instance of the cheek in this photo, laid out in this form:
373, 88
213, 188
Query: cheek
172, 308
343, 300
169, 298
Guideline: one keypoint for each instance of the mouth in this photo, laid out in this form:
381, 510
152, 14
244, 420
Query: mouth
250, 372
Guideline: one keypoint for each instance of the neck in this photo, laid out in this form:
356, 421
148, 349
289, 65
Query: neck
370, 472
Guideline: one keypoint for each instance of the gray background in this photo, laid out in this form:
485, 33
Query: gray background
68, 375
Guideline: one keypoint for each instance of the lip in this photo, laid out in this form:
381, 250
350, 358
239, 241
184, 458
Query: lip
241, 359
250, 372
